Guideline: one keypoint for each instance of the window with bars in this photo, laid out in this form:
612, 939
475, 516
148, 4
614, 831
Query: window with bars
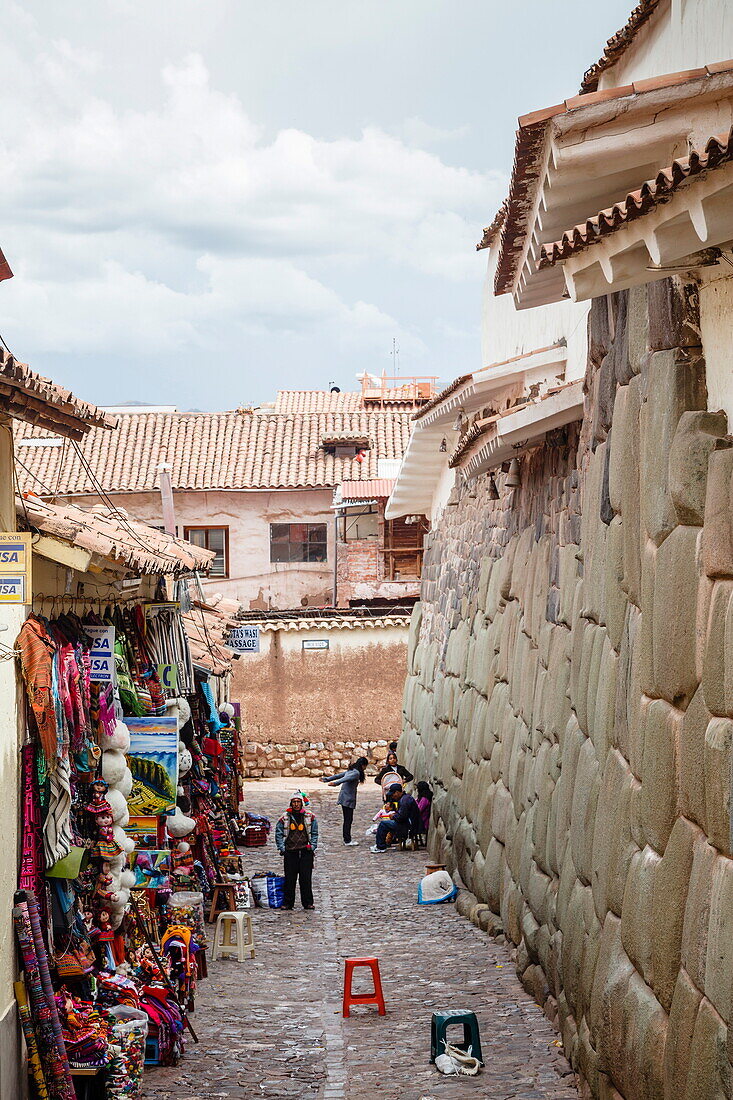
212, 538
298, 542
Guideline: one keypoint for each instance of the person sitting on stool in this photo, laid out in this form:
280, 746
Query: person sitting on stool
296, 836
400, 822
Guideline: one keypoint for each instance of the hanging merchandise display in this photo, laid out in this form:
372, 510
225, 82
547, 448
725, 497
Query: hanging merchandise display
130, 798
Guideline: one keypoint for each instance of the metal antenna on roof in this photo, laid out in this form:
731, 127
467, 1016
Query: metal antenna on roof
395, 357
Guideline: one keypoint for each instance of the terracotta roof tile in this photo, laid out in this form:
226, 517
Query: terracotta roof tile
618, 43
718, 151
28, 396
449, 389
493, 228
113, 536
227, 450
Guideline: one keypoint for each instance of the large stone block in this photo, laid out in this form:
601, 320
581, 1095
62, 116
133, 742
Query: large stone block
675, 383
682, 1017
691, 759
637, 919
718, 759
719, 956
673, 313
613, 972
659, 774
582, 819
709, 1071
718, 533
698, 434
669, 896
675, 606
716, 679
697, 911
613, 844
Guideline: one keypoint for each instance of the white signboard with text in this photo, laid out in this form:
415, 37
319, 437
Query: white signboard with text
245, 639
102, 655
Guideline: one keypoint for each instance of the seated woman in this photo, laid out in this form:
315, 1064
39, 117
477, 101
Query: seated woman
424, 799
392, 772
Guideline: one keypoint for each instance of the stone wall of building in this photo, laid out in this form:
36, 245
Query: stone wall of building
309, 711
570, 696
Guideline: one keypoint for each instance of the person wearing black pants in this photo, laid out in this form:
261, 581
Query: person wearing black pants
349, 782
296, 837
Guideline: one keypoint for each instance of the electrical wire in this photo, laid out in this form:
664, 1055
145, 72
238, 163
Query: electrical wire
30, 473
118, 515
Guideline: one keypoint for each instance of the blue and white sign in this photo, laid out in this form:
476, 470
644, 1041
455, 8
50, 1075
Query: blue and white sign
102, 655
15, 567
12, 589
244, 639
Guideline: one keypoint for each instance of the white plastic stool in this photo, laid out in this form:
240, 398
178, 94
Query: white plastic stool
228, 923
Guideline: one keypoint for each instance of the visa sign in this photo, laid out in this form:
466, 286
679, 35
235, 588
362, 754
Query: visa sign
102, 654
15, 567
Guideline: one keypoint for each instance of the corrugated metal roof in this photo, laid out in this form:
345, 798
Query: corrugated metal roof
366, 490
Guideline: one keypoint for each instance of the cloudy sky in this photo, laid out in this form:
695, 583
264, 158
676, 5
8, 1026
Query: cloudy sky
206, 200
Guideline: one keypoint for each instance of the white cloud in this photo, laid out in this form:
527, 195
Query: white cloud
154, 227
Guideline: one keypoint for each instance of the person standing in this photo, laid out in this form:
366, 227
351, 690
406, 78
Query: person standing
349, 782
296, 836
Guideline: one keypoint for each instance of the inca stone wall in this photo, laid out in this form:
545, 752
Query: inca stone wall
570, 696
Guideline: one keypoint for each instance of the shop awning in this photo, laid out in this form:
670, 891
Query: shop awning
113, 537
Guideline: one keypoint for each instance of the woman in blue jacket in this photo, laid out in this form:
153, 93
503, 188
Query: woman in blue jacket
349, 782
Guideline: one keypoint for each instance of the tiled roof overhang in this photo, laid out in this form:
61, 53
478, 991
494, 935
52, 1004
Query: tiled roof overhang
686, 226
439, 398
618, 43
424, 462
717, 152
493, 228
116, 538
520, 428
27, 396
584, 155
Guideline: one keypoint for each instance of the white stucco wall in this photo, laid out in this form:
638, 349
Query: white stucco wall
682, 34
248, 515
716, 311
506, 331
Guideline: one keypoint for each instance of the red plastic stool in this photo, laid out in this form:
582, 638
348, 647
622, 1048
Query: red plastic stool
375, 998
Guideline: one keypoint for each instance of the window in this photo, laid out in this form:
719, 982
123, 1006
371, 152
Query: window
212, 538
298, 542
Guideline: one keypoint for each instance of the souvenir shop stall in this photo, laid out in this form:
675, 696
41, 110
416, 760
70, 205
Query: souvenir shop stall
129, 799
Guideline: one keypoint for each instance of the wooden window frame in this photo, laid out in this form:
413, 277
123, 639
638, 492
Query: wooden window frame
212, 527
299, 523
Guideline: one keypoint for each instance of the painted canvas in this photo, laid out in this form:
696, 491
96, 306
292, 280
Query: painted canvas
152, 869
144, 831
153, 761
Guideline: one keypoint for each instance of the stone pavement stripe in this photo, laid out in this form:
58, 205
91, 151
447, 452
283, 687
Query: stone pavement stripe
272, 1027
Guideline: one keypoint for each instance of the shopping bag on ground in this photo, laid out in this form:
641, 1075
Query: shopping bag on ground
268, 890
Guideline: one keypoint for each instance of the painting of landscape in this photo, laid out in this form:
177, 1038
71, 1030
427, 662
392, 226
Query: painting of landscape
153, 761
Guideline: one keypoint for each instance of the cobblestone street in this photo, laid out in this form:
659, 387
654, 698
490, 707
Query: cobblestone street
273, 1027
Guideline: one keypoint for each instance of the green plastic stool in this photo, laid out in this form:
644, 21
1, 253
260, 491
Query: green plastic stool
439, 1026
